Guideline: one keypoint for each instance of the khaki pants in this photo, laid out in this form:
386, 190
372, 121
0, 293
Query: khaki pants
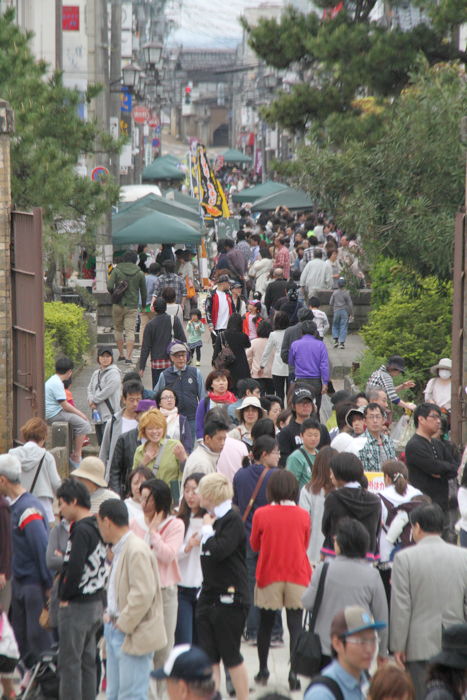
124, 320
146, 316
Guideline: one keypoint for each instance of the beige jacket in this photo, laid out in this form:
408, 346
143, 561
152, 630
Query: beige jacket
139, 599
429, 592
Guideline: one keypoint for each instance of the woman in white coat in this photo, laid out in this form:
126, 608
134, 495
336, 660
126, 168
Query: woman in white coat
260, 271
104, 390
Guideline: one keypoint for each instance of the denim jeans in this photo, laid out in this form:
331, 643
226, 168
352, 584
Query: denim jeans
127, 674
185, 632
78, 624
340, 323
463, 538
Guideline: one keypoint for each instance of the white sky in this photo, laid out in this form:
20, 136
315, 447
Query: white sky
209, 22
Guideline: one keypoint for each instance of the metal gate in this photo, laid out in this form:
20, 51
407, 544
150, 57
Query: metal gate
27, 317
459, 340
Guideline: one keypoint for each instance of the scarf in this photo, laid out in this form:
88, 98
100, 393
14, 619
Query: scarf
173, 424
226, 397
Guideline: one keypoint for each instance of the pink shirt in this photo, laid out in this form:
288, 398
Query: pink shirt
282, 260
231, 457
165, 541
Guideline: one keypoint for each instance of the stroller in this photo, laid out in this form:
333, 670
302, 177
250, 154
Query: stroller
43, 684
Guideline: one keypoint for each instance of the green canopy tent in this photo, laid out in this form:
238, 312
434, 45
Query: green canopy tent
162, 169
251, 194
290, 198
176, 196
156, 228
170, 159
130, 212
234, 156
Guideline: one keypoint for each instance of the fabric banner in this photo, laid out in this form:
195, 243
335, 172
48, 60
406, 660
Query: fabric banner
211, 194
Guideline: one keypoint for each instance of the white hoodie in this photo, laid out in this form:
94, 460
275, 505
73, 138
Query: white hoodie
48, 481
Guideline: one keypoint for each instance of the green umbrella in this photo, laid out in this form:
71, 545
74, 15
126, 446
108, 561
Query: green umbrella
162, 169
235, 156
131, 211
290, 198
156, 228
251, 194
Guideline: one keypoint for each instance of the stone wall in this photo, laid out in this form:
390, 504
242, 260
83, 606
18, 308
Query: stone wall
362, 306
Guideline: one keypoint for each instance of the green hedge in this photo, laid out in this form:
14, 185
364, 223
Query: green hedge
415, 323
66, 333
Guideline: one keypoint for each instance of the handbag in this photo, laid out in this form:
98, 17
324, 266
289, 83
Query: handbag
226, 357
190, 290
306, 655
9, 654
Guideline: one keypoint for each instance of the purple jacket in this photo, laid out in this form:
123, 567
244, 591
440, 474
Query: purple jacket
309, 356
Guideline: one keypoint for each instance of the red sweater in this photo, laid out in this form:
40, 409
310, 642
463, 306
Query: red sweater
280, 534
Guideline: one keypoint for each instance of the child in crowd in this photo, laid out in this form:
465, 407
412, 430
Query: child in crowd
194, 332
300, 462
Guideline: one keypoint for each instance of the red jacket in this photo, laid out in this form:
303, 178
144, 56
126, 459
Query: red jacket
280, 534
246, 322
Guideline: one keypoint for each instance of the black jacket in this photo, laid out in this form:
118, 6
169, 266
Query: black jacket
122, 461
352, 503
156, 337
425, 458
291, 334
83, 576
274, 291
238, 342
223, 561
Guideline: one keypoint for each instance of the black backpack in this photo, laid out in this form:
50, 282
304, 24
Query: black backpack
405, 538
118, 291
329, 683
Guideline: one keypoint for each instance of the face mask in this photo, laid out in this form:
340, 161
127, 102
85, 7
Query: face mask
444, 373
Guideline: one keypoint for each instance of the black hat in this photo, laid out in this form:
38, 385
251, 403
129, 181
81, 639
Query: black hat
396, 362
105, 349
353, 412
185, 663
301, 394
453, 647
223, 278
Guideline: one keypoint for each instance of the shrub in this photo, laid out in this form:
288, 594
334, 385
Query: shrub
386, 274
66, 332
50, 352
416, 325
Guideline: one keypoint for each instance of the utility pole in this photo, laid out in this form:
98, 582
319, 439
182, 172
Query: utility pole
115, 74
459, 318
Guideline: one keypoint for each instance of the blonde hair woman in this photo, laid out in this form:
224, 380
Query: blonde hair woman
163, 456
223, 602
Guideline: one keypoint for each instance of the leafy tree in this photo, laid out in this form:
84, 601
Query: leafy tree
49, 139
340, 58
401, 194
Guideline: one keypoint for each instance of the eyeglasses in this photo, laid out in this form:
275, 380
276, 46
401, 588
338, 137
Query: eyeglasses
435, 416
362, 641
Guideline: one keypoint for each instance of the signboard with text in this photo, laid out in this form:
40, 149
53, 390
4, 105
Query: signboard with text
70, 18
375, 481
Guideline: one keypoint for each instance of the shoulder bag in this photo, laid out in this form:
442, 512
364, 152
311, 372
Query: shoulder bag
307, 654
37, 473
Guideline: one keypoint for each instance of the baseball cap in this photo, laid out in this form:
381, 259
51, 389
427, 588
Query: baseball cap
353, 619
105, 348
224, 278
301, 395
177, 347
185, 663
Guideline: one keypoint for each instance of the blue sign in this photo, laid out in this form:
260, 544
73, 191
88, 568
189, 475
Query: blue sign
126, 102
156, 143
157, 130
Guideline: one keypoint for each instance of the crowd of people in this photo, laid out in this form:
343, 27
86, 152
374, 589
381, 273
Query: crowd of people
218, 501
